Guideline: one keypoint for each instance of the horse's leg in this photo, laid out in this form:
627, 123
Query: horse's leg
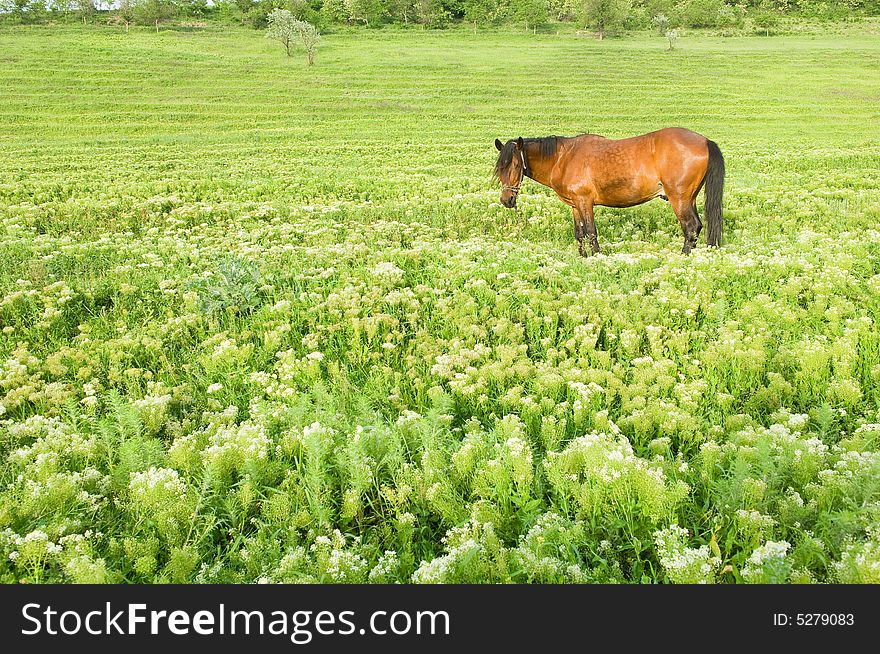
688, 219
589, 225
696, 215
578, 230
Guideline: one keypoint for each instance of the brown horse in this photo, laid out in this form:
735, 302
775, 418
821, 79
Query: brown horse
587, 170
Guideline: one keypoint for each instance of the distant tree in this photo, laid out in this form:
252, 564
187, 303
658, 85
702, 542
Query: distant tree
15, 8
562, 9
871, 7
309, 38
602, 15
257, 15
672, 37
700, 13
290, 31
402, 10
127, 12
192, 8
25, 11
299, 8
480, 12
828, 9
652, 8
765, 20
153, 12
529, 12
433, 13
661, 22
235, 9
365, 11
334, 11
62, 7
281, 28
86, 9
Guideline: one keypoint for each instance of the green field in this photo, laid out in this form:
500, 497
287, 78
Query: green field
260, 321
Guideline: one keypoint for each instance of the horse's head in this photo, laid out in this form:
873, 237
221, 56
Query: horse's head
510, 169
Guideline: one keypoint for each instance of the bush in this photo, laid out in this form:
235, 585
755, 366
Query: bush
530, 13
603, 15
705, 13
764, 21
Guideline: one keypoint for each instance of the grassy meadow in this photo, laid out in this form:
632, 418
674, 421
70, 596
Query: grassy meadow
261, 321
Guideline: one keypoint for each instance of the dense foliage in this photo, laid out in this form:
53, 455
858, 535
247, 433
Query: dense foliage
600, 15
266, 321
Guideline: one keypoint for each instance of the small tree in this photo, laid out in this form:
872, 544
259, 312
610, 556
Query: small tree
334, 11
154, 11
309, 38
24, 11
87, 9
765, 21
562, 9
193, 8
672, 37
661, 22
365, 11
432, 13
281, 28
481, 12
699, 13
605, 14
289, 31
126, 12
530, 12
62, 7
402, 10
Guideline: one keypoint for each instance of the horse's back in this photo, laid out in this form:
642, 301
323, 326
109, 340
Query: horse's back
669, 139
678, 133
665, 133
629, 171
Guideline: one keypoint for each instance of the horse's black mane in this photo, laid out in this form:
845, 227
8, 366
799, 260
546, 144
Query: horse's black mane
547, 148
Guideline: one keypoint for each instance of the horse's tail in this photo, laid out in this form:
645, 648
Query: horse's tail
714, 194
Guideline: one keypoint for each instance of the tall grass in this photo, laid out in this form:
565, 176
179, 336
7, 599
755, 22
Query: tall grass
260, 321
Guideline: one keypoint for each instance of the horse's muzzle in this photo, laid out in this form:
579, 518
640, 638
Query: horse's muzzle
509, 202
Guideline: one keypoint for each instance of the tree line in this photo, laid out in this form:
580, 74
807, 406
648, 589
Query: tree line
598, 15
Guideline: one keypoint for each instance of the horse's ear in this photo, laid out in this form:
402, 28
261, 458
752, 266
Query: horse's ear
499, 145
519, 143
